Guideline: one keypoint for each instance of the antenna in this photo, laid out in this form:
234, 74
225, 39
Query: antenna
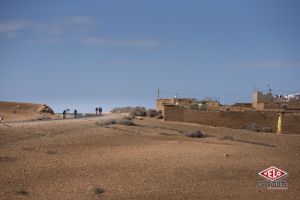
270, 90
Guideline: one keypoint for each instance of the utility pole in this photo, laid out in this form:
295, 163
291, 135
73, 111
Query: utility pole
158, 93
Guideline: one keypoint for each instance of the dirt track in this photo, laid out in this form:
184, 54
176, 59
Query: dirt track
153, 160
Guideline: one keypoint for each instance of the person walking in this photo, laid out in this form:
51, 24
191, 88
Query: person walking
96, 111
75, 113
100, 111
64, 114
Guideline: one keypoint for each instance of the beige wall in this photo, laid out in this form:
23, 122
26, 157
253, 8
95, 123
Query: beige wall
232, 119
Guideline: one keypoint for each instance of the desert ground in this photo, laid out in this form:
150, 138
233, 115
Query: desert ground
89, 159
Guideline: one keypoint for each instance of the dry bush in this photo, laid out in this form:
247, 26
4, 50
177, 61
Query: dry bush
152, 113
159, 116
42, 117
196, 134
22, 191
133, 111
138, 111
126, 121
106, 122
267, 129
253, 127
122, 109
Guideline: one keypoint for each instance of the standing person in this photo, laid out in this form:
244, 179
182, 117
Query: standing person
64, 114
96, 111
100, 111
75, 113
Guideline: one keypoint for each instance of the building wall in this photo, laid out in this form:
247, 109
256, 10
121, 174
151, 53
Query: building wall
231, 119
179, 101
291, 123
160, 102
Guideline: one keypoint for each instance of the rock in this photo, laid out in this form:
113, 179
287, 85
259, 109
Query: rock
139, 118
226, 155
45, 109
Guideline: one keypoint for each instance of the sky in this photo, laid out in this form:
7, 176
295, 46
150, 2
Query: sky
83, 54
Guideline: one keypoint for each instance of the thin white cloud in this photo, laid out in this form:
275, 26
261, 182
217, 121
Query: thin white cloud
50, 40
71, 25
106, 41
79, 20
95, 41
270, 64
8, 26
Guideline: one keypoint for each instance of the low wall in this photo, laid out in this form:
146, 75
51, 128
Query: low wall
233, 119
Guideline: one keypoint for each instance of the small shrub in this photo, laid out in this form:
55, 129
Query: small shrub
106, 122
138, 111
196, 134
22, 192
267, 129
122, 109
253, 127
50, 151
42, 117
126, 122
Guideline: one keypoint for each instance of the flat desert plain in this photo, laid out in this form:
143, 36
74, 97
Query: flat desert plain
84, 159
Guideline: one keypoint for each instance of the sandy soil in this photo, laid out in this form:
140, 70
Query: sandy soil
68, 159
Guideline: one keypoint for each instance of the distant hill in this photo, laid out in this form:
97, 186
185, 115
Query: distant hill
17, 111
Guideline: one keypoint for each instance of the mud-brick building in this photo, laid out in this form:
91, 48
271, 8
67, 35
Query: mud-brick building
174, 101
261, 101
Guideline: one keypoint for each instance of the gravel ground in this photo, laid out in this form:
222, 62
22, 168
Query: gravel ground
80, 159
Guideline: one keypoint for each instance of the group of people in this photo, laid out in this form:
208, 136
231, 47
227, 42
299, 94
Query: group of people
98, 112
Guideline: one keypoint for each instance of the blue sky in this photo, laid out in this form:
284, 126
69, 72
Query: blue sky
82, 54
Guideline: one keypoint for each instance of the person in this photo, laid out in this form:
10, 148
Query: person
64, 114
100, 111
96, 111
75, 113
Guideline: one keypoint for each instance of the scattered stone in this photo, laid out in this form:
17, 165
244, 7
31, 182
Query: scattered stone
226, 155
139, 118
99, 190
